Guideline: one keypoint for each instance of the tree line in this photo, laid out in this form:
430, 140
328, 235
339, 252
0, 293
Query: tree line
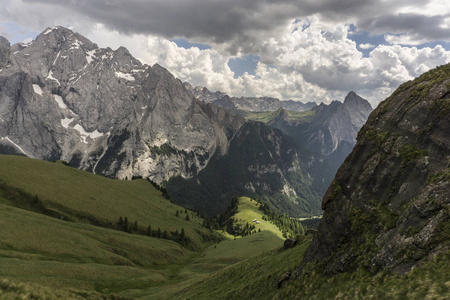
179, 237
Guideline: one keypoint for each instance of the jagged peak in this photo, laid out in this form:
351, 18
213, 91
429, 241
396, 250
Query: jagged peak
61, 35
57, 31
123, 51
352, 98
157, 68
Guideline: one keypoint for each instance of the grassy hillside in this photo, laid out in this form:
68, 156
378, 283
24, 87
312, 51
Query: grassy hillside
83, 197
60, 237
249, 211
211, 264
254, 278
42, 250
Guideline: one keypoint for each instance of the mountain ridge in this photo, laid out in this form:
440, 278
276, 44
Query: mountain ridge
247, 103
100, 103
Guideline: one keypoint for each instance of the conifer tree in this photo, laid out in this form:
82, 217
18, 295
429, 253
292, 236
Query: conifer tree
125, 224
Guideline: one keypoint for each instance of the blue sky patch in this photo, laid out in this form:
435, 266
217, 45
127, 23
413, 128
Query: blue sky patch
363, 37
246, 63
15, 33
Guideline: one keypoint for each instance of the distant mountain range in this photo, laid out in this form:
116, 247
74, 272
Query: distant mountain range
330, 130
64, 98
256, 104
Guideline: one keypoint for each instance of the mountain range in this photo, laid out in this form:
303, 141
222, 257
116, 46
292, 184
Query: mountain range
247, 103
102, 110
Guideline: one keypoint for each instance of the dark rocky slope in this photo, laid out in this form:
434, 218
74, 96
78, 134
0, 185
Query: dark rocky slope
330, 130
388, 206
261, 162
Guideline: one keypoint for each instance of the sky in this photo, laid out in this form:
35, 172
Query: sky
305, 50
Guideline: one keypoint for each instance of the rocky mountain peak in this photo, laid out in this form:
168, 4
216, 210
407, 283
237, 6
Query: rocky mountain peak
104, 111
353, 100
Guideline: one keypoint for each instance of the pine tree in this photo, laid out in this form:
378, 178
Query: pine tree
164, 235
158, 233
187, 217
182, 235
149, 230
125, 224
176, 214
120, 223
135, 226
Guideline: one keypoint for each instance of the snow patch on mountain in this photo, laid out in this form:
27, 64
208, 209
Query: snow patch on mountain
126, 76
84, 134
37, 89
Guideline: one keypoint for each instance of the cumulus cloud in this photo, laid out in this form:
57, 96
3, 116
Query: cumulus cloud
304, 47
310, 61
238, 26
366, 46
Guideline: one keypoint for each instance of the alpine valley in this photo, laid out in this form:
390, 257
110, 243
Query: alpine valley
103, 111
119, 181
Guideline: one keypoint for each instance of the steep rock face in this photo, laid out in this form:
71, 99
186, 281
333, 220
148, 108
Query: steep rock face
5, 52
330, 129
62, 97
388, 206
261, 162
248, 103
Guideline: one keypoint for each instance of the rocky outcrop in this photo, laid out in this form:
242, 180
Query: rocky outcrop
248, 103
63, 97
289, 243
388, 206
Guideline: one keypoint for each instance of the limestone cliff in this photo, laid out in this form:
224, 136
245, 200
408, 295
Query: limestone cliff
63, 97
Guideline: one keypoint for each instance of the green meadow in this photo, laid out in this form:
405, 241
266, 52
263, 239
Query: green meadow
60, 236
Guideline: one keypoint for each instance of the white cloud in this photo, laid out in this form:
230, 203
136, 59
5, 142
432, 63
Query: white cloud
309, 59
366, 46
319, 63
